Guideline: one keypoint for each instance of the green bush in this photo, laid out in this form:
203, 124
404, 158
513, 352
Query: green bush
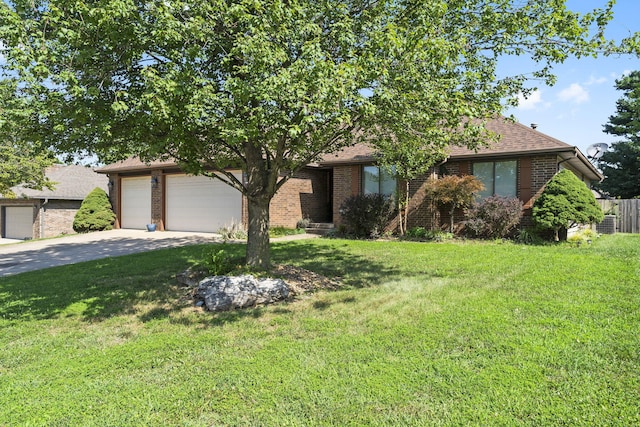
234, 231
217, 261
565, 202
366, 215
494, 217
95, 213
284, 231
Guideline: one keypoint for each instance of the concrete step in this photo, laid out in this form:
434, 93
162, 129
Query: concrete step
321, 228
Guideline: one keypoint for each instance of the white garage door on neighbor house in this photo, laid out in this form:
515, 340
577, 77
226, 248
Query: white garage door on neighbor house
199, 203
18, 222
136, 202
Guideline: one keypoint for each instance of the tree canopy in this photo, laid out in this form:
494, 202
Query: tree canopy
22, 161
621, 165
267, 86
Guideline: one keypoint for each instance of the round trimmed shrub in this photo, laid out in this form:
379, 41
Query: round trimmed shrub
95, 213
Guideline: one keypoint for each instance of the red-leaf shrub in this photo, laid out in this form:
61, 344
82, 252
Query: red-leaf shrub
494, 217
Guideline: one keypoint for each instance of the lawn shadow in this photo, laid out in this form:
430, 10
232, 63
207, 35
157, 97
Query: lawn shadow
97, 290
334, 261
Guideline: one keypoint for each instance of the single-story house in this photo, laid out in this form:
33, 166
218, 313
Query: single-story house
519, 165
35, 214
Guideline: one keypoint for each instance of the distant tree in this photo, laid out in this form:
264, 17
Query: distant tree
453, 192
22, 161
95, 213
621, 165
565, 201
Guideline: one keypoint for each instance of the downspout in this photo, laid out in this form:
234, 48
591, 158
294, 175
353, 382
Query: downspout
575, 154
42, 211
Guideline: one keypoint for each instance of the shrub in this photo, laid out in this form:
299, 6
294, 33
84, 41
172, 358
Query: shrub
366, 215
303, 223
494, 217
421, 233
217, 261
95, 213
566, 201
234, 231
417, 233
453, 192
284, 231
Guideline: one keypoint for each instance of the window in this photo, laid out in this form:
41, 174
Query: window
378, 180
499, 178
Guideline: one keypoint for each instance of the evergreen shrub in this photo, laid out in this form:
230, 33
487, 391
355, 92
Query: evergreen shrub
95, 213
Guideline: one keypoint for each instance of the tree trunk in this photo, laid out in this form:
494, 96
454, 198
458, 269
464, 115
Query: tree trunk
262, 177
451, 213
258, 248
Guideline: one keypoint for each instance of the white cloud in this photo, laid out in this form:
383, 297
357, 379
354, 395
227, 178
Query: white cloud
595, 80
531, 102
574, 93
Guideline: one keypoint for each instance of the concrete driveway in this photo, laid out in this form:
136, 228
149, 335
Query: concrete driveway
35, 255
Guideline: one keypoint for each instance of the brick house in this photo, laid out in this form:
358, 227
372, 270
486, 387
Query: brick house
35, 214
519, 165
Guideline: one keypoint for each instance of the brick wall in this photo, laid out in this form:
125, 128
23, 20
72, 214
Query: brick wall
56, 217
346, 183
533, 174
305, 195
50, 219
157, 199
422, 211
114, 196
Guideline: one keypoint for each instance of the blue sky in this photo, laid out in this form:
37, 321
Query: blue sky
584, 97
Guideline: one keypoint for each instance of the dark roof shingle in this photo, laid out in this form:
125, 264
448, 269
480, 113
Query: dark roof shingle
71, 182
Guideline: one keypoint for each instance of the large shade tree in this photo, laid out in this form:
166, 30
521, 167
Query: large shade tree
22, 161
267, 86
621, 165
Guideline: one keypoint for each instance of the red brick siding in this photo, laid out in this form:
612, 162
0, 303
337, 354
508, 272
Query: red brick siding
305, 195
533, 174
157, 199
346, 183
114, 196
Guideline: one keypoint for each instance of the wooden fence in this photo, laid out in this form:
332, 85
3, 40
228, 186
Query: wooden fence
627, 214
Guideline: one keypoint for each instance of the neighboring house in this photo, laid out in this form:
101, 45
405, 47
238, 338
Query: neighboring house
35, 214
519, 165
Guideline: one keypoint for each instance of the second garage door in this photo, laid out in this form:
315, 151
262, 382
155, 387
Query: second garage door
136, 202
199, 203
18, 222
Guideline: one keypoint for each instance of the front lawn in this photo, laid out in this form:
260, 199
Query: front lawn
421, 334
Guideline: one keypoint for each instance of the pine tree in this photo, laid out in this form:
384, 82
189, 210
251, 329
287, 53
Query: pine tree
621, 165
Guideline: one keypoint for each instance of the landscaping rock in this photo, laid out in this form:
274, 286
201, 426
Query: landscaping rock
221, 293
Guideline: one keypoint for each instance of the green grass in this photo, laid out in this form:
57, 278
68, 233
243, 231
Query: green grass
284, 231
422, 334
